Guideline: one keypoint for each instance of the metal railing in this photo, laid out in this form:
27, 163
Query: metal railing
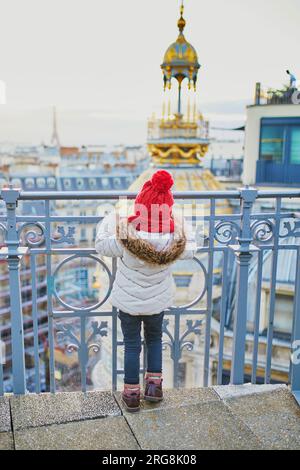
287, 94
250, 232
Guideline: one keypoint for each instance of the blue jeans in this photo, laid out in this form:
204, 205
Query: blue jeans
131, 329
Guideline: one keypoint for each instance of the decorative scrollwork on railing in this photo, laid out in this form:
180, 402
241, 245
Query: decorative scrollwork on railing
36, 234
193, 327
33, 237
262, 231
292, 229
81, 346
67, 332
63, 236
226, 232
98, 329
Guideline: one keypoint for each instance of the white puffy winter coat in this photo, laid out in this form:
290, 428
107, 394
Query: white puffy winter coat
143, 283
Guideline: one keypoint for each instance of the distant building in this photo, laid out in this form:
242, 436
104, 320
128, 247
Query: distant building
87, 168
39, 163
272, 143
225, 158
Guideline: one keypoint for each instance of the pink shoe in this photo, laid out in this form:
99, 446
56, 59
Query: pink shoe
131, 397
153, 388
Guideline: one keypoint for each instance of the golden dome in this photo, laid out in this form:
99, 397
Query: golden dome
180, 59
181, 52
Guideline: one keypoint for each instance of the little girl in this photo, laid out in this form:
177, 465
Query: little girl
146, 244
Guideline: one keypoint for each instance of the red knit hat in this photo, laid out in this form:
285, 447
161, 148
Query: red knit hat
153, 205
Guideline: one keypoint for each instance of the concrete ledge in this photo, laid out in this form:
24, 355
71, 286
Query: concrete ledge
5, 420
47, 408
225, 417
231, 391
97, 434
274, 417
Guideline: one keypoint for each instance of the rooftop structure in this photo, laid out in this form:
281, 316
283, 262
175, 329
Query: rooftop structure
272, 142
179, 138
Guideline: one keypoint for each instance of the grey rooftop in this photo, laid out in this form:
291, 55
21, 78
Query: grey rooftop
220, 417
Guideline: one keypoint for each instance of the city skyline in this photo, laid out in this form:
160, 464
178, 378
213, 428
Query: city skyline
101, 69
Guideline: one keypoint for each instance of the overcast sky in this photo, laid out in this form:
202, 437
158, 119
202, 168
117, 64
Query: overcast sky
99, 62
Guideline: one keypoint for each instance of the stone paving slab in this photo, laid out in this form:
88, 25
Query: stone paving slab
173, 398
274, 417
110, 433
47, 408
200, 426
5, 421
230, 391
6, 441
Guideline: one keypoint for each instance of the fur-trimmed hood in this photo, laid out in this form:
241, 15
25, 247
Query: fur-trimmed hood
145, 250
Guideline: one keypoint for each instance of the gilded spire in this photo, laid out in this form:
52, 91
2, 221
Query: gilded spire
180, 59
181, 22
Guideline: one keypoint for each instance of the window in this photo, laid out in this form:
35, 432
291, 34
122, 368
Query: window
29, 183
80, 183
83, 235
40, 182
93, 183
105, 183
51, 182
81, 279
67, 183
17, 183
272, 142
117, 183
3, 182
295, 145
279, 159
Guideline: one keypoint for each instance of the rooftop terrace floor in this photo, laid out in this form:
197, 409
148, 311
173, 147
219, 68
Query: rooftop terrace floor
221, 417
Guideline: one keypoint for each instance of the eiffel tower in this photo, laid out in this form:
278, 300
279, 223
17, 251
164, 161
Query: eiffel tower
55, 138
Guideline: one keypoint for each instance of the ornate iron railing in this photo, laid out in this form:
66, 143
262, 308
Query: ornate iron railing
261, 223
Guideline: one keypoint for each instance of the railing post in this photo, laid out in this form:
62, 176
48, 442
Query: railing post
295, 371
243, 253
13, 253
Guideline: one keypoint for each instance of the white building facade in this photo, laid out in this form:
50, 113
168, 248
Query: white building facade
272, 144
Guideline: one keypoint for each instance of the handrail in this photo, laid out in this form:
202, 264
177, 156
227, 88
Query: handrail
113, 195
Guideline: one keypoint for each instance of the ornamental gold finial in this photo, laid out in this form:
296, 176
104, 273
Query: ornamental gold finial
181, 21
180, 61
